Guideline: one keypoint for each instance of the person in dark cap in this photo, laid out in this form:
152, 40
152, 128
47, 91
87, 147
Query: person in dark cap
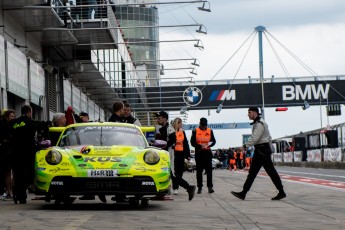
162, 114
164, 132
166, 129
262, 141
84, 117
202, 140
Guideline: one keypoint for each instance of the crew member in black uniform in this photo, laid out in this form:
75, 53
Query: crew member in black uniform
23, 152
118, 109
202, 140
128, 117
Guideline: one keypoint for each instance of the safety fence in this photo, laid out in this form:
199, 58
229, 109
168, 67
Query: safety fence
315, 155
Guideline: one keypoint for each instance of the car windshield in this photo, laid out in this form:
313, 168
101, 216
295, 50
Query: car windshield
102, 136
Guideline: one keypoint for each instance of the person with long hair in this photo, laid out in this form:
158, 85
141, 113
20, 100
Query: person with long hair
179, 142
5, 153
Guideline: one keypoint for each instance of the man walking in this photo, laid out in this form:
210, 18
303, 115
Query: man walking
202, 140
261, 140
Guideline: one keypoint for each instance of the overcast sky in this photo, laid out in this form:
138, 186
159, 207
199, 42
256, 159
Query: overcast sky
313, 30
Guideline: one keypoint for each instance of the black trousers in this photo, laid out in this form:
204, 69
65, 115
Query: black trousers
239, 163
203, 160
23, 168
177, 179
21, 178
262, 157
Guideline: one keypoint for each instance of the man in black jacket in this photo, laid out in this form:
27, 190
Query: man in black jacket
166, 129
128, 117
23, 131
117, 115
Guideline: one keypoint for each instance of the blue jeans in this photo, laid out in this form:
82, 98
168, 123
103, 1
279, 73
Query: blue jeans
91, 8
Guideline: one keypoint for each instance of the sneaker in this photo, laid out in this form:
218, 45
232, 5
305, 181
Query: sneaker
239, 195
281, 195
199, 190
8, 198
175, 192
87, 197
191, 192
3, 196
210, 190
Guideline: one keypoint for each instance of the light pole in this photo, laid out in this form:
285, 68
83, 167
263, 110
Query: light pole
260, 29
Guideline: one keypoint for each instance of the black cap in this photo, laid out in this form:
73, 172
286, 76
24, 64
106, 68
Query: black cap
203, 121
163, 114
83, 114
254, 109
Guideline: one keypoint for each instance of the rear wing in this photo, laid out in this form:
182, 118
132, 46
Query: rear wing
149, 132
54, 134
56, 129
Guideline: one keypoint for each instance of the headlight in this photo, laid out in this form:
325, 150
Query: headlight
151, 157
53, 157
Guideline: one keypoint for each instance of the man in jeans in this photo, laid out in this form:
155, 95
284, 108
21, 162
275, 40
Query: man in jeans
262, 141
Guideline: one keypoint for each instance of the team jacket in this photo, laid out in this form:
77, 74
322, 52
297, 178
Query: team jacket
260, 133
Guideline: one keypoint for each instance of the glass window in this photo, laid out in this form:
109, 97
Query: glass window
102, 136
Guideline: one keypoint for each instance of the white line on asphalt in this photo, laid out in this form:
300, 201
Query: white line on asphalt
314, 185
80, 219
315, 174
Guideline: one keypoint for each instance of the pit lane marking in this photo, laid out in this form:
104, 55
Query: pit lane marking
316, 174
76, 224
312, 181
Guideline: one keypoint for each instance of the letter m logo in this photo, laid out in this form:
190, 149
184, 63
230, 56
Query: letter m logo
221, 95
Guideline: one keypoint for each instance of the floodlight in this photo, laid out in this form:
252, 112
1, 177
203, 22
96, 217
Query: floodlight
306, 105
219, 108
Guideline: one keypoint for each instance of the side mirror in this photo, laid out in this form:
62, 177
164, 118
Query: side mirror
44, 144
160, 144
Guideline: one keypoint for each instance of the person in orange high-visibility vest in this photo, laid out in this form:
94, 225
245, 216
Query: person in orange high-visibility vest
248, 158
181, 152
239, 159
202, 140
232, 160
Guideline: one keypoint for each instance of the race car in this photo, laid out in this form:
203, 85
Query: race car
102, 159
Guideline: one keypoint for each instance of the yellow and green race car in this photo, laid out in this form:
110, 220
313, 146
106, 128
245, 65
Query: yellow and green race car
102, 159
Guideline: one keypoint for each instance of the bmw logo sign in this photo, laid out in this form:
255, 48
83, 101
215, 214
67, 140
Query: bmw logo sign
192, 96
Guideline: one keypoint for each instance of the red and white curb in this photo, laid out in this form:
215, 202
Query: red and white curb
312, 181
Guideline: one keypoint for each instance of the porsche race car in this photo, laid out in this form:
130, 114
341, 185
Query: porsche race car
102, 159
